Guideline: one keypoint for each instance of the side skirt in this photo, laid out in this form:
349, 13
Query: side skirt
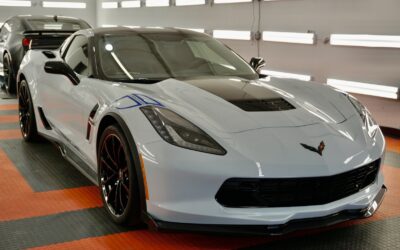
72, 157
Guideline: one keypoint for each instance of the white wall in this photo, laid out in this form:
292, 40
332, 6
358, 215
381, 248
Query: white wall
223, 16
88, 14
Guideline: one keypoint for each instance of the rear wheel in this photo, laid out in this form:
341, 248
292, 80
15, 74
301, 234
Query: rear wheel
9, 79
26, 113
117, 177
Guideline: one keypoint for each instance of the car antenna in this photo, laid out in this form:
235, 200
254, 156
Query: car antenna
55, 18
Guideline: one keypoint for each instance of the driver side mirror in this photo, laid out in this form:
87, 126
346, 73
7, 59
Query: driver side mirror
257, 63
61, 68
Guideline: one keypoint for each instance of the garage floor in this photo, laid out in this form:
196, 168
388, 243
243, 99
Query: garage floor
46, 203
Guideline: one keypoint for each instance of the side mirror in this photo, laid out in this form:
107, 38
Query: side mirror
257, 63
61, 68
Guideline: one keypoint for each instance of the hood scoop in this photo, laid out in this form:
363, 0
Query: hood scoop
276, 104
248, 95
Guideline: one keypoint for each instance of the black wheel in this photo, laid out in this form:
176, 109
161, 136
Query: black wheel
117, 177
9, 79
27, 119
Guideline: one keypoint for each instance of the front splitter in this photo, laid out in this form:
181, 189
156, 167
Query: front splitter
280, 229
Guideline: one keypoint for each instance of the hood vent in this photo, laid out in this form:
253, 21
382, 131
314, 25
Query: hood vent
276, 104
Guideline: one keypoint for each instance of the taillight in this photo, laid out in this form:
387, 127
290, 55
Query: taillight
26, 42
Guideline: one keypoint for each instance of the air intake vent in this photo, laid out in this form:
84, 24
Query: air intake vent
45, 123
277, 104
292, 192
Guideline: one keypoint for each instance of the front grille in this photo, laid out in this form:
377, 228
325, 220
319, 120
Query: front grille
290, 192
276, 104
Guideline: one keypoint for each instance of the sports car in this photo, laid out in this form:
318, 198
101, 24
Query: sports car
24, 32
179, 132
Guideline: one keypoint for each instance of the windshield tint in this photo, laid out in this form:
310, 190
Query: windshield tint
163, 55
52, 24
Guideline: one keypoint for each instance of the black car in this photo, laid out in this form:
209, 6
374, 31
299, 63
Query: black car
20, 33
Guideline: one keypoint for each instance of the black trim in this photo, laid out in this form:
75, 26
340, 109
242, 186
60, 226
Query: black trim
51, 32
295, 192
90, 121
73, 158
79, 163
291, 226
93, 111
261, 105
88, 129
61, 68
394, 132
43, 118
49, 54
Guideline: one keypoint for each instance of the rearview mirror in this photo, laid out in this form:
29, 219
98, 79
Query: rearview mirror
61, 68
257, 63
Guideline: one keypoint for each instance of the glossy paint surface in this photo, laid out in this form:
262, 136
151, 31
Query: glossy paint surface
182, 183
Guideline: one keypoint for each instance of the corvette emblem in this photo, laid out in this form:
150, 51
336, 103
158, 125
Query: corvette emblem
318, 150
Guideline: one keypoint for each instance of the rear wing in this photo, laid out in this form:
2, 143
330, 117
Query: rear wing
45, 39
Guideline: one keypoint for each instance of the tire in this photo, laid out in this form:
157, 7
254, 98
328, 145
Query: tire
26, 114
117, 178
9, 78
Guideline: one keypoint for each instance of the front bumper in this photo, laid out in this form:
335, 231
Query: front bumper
182, 184
279, 229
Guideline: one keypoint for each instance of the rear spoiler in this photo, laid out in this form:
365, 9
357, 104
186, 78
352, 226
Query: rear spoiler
45, 39
48, 32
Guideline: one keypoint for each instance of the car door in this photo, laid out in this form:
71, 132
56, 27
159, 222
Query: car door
64, 102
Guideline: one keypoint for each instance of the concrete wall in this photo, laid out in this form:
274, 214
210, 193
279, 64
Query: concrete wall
89, 14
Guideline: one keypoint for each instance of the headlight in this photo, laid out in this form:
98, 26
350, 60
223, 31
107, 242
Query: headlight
178, 131
370, 124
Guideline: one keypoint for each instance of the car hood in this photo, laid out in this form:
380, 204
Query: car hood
232, 104
271, 143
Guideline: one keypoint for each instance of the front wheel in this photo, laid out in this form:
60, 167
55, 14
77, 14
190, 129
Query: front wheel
117, 177
26, 113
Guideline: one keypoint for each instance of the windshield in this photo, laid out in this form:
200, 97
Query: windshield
158, 56
56, 24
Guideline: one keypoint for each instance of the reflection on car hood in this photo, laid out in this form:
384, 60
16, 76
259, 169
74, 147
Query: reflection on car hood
216, 102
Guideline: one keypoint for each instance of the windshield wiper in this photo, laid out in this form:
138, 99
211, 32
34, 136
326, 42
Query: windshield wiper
142, 80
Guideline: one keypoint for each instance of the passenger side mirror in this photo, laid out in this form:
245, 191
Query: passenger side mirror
257, 63
61, 68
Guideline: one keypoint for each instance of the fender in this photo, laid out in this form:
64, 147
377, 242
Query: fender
136, 161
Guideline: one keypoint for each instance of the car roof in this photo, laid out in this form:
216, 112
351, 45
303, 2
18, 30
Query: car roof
142, 30
24, 19
49, 17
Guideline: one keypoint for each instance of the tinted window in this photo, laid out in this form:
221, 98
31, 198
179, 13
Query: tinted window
77, 56
168, 55
5, 30
56, 24
65, 44
15, 24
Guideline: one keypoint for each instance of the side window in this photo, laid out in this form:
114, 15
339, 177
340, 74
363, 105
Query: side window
65, 45
77, 56
5, 30
15, 24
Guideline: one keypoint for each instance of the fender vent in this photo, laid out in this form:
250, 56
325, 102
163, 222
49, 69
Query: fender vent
90, 121
45, 123
276, 104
